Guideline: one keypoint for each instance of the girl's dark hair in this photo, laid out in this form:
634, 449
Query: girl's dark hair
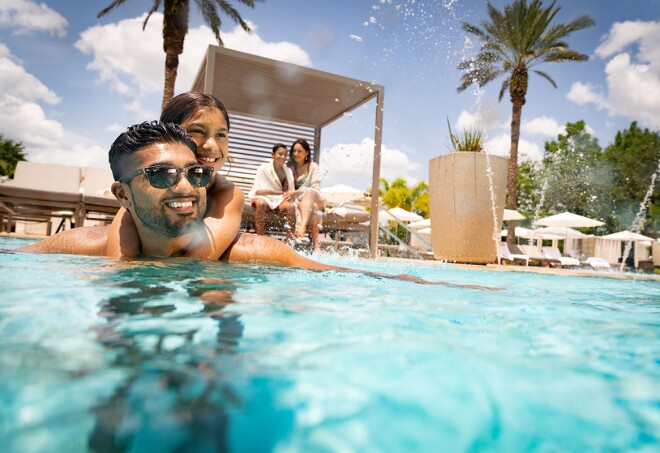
277, 146
181, 107
140, 136
302, 142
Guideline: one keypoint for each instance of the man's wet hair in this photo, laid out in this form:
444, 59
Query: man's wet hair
142, 135
277, 146
181, 107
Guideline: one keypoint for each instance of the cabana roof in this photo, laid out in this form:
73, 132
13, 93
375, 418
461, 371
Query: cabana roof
268, 89
271, 101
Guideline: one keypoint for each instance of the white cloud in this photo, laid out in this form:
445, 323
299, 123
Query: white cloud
543, 125
633, 79
352, 164
132, 60
501, 146
27, 16
26, 122
16, 80
22, 119
487, 117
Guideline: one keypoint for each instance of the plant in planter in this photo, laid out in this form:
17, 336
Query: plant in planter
471, 140
461, 200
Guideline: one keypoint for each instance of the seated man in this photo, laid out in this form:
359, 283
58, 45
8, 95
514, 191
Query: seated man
273, 188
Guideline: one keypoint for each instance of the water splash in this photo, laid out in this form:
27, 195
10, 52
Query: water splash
641, 213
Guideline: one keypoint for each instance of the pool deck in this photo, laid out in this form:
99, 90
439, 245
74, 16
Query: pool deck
535, 270
487, 267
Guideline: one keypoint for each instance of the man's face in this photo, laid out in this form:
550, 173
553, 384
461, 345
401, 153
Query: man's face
279, 157
171, 212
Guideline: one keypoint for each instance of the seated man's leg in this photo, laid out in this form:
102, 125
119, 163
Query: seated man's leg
260, 207
288, 210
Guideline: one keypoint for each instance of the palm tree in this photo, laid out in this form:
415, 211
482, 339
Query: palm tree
175, 29
512, 42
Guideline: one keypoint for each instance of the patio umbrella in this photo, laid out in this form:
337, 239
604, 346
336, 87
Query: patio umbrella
626, 235
426, 223
563, 232
568, 219
512, 214
520, 232
342, 193
399, 214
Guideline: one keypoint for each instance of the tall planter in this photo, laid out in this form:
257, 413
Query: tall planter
462, 220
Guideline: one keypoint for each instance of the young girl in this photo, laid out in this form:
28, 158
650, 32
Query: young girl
206, 120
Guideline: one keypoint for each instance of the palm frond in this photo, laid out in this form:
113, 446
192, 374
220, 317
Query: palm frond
505, 86
233, 14
546, 77
153, 9
110, 7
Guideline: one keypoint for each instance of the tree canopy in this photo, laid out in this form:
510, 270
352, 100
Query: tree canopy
11, 153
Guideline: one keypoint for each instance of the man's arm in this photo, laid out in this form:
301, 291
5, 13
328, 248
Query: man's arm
251, 247
77, 241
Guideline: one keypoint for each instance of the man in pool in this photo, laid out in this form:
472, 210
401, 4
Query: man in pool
158, 180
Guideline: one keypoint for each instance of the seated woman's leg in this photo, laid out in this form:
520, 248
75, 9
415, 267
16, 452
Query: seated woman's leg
310, 203
260, 207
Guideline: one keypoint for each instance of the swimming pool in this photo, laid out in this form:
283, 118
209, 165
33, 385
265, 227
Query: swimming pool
187, 355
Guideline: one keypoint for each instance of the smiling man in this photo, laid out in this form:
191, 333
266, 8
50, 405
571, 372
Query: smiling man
160, 182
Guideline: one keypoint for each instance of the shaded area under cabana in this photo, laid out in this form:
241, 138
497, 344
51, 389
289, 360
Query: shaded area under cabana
271, 101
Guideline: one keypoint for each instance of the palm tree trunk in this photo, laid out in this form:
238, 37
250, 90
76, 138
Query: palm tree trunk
175, 28
512, 174
171, 68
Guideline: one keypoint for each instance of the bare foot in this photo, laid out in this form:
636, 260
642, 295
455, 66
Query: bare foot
300, 233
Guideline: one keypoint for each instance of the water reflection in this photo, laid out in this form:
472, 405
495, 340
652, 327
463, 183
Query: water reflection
176, 395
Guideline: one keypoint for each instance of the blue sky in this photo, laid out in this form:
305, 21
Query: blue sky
69, 82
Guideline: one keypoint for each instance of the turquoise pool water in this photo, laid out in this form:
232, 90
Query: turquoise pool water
192, 356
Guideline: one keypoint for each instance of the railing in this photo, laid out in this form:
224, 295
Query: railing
402, 244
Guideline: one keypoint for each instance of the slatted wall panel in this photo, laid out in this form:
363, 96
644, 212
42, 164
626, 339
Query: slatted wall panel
251, 143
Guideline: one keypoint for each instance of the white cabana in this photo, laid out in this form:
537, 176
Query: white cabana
611, 247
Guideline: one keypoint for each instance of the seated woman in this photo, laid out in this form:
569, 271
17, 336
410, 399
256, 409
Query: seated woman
307, 180
206, 120
273, 189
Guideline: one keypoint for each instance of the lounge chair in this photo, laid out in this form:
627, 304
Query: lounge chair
40, 192
554, 253
597, 263
504, 253
535, 255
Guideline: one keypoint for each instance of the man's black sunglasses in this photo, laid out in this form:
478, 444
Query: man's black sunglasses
164, 177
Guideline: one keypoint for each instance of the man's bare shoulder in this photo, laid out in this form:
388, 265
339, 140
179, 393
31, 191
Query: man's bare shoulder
77, 241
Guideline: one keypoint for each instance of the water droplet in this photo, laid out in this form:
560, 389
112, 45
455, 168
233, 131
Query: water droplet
355, 38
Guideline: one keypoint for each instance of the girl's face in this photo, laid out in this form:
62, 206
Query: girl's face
300, 154
279, 157
208, 128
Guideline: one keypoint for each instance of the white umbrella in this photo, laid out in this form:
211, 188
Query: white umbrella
537, 234
426, 223
512, 214
563, 232
520, 232
342, 193
399, 214
568, 219
626, 235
